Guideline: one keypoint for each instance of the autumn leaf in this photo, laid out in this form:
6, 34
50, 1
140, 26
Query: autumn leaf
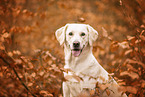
124, 44
30, 84
77, 78
104, 32
130, 37
131, 89
33, 74
128, 51
46, 93
142, 37
104, 86
18, 61
92, 92
135, 62
114, 46
133, 75
29, 25
5, 35
107, 92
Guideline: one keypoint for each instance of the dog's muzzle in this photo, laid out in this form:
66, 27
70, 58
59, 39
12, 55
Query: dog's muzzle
76, 51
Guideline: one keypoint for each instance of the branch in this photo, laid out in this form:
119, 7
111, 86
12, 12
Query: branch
3, 54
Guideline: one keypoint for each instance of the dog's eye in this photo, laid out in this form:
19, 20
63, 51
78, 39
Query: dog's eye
83, 34
70, 33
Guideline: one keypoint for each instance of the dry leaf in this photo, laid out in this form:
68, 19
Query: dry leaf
142, 37
41, 73
17, 52
102, 78
104, 86
122, 89
10, 54
30, 84
130, 37
92, 92
133, 75
5, 35
107, 92
45, 93
143, 84
135, 62
124, 44
128, 51
33, 74
77, 78
131, 89
18, 61
130, 67
131, 95
104, 32
67, 77
114, 46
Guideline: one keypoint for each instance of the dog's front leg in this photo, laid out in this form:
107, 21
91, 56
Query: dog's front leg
66, 91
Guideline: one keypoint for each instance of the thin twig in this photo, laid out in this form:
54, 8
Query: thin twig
18, 76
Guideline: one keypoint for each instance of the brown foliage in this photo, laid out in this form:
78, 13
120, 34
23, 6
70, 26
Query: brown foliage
31, 61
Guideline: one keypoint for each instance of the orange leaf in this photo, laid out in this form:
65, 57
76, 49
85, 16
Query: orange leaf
107, 92
30, 84
114, 46
104, 32
128, 51
130, 37
103, 86
124, 44
131, 74
142, 37
131, 89
92, 92
33, 74
6, 35
18, 61
135, 62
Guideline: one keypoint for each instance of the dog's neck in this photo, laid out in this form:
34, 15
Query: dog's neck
73, 62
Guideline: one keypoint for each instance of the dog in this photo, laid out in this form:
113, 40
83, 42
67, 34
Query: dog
83, 72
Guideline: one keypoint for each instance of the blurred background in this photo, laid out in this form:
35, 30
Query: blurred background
31, 60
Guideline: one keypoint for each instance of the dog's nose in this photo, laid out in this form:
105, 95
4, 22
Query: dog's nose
76, 44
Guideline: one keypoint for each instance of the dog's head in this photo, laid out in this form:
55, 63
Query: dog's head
76, 37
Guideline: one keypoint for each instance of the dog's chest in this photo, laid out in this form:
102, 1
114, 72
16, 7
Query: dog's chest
79, 80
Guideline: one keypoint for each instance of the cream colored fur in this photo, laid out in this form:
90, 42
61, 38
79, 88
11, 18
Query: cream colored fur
84, 71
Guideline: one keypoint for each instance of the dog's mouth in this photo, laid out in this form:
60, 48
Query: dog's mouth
76, 52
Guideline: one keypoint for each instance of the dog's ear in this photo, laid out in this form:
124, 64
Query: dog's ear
93, 34
60, 34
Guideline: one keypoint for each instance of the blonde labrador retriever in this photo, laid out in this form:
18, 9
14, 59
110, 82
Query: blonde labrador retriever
84, 73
